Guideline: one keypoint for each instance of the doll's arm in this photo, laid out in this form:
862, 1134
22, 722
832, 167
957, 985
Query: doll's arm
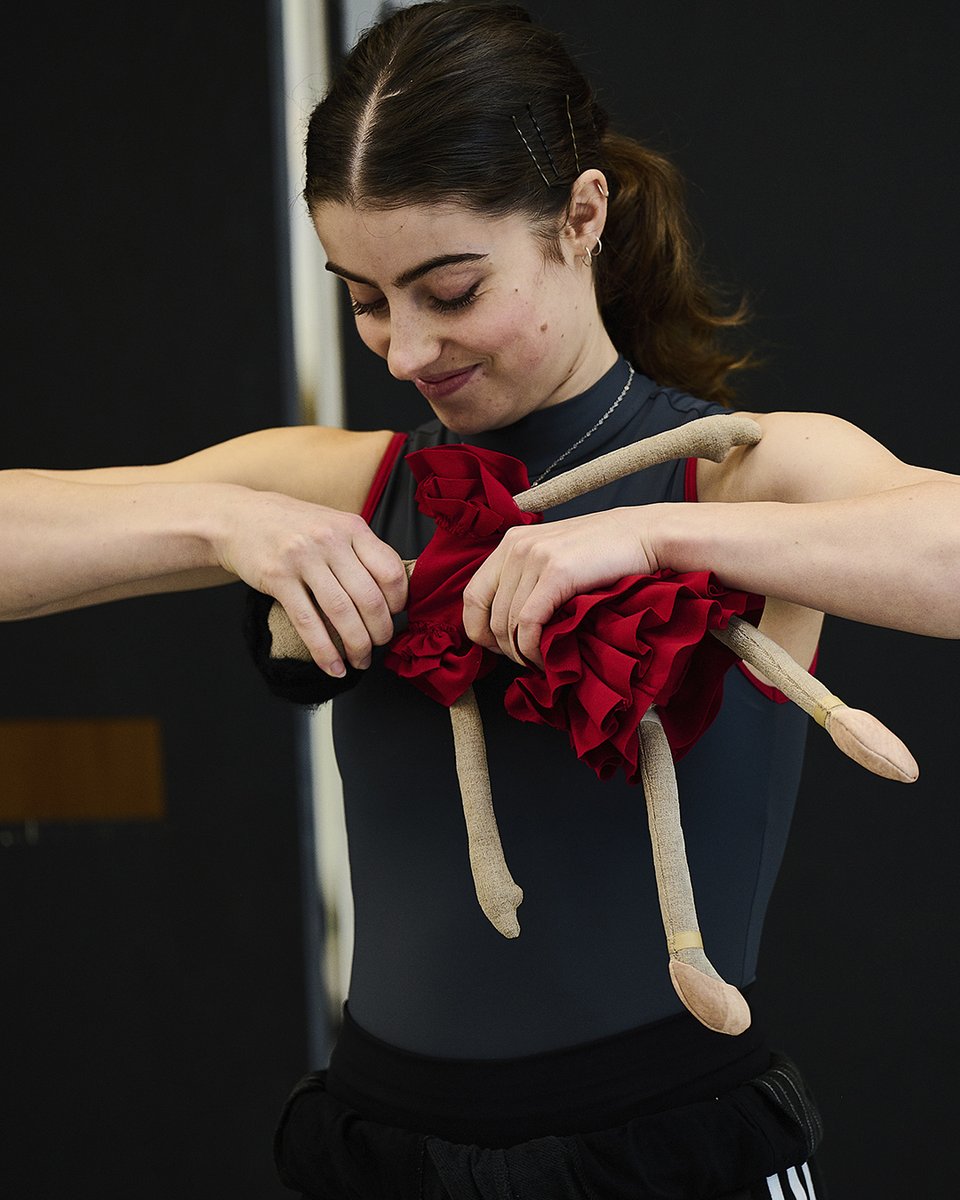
858, 734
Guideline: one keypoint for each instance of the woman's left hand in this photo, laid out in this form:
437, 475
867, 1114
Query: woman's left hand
536, 568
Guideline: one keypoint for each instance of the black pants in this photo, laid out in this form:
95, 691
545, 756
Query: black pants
726, 1148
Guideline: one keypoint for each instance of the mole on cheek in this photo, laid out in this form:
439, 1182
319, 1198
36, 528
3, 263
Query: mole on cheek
544, 327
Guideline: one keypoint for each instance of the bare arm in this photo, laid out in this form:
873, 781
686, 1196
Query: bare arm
818, 515
276, 508
837, 522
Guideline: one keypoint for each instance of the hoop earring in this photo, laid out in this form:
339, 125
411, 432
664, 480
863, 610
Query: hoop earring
589, 255
605, 195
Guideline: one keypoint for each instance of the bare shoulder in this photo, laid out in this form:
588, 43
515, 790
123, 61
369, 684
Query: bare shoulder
334, 467
807, 457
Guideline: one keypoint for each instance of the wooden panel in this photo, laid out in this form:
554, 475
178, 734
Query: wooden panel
101, 769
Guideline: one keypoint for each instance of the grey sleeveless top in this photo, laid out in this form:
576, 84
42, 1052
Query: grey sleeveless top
430, 974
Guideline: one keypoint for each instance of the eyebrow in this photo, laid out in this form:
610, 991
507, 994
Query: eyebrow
414, 273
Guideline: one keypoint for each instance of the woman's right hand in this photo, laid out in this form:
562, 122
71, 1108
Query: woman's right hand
326, 567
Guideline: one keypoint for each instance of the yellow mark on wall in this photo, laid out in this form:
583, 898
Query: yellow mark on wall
96, 769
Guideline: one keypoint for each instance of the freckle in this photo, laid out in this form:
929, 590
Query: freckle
544, 327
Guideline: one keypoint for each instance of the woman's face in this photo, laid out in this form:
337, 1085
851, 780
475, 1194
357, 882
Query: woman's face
469, 309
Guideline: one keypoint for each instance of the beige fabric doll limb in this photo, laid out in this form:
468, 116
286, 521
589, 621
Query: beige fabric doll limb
714, 1003
498, 894
861, 736
858, 734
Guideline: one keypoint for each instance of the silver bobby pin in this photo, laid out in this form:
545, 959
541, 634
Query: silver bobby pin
531, 153
573, 136
558, 179
543, 141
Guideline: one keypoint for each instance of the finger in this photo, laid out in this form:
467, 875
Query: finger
512, 595
386, 569
368, 601
521, 657
299, 606
535, 607
528, 632
336, 603
477, 599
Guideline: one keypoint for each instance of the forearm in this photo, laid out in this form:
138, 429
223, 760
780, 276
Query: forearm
891, 558
66, 544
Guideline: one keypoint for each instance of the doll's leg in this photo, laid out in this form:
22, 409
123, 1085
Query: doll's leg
497, 892
714, 1003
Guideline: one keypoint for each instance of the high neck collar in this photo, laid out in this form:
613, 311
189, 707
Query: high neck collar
541, 436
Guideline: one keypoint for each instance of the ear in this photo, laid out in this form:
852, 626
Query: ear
586, 213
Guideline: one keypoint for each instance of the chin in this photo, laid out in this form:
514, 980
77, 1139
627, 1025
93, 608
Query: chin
476, 416
467, 424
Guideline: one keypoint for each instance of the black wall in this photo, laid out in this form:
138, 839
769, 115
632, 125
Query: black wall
819, 143
152, 995
152, 1003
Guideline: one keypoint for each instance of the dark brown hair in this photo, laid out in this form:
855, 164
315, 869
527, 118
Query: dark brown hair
474, 103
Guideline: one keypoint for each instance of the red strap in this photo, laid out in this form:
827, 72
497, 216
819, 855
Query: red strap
690, 480
390, 456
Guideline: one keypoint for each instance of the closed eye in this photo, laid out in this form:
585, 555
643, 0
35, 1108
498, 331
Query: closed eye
375, 308
457, 302
369, 308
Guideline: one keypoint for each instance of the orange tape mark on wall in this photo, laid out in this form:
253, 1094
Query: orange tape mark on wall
97, 769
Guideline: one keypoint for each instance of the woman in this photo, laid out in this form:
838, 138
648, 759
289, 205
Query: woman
530, 273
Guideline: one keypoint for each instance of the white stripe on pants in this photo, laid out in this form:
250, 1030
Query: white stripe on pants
793, 1184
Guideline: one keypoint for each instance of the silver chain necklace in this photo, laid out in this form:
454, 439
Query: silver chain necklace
593, 429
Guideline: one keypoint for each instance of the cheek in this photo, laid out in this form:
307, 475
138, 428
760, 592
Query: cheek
374, 336
522, 333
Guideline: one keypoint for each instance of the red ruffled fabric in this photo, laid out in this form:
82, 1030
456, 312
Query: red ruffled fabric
609, 654
469, 493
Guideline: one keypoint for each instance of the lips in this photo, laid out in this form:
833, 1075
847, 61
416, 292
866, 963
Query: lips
441, 386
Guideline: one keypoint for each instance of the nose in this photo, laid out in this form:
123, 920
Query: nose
414, 344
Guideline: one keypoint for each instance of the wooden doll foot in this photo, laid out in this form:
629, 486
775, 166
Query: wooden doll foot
716, 1004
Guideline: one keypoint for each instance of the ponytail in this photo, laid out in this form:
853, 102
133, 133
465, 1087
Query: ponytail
656, 306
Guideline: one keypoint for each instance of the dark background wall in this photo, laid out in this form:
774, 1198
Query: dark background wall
152, 994
152, 998
819, 144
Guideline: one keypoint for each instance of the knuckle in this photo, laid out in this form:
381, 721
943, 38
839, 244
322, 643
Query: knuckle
271, 578
354, 523
338, 606
499, 625
544, 555
323, 536
369, 598
394, 575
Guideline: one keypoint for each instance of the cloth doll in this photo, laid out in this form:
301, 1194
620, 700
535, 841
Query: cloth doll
632, 673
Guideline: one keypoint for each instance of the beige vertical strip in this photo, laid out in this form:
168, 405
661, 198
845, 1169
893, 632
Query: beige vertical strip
319, 370
316, 327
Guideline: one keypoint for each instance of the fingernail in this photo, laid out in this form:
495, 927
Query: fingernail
366, 663
337, 668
